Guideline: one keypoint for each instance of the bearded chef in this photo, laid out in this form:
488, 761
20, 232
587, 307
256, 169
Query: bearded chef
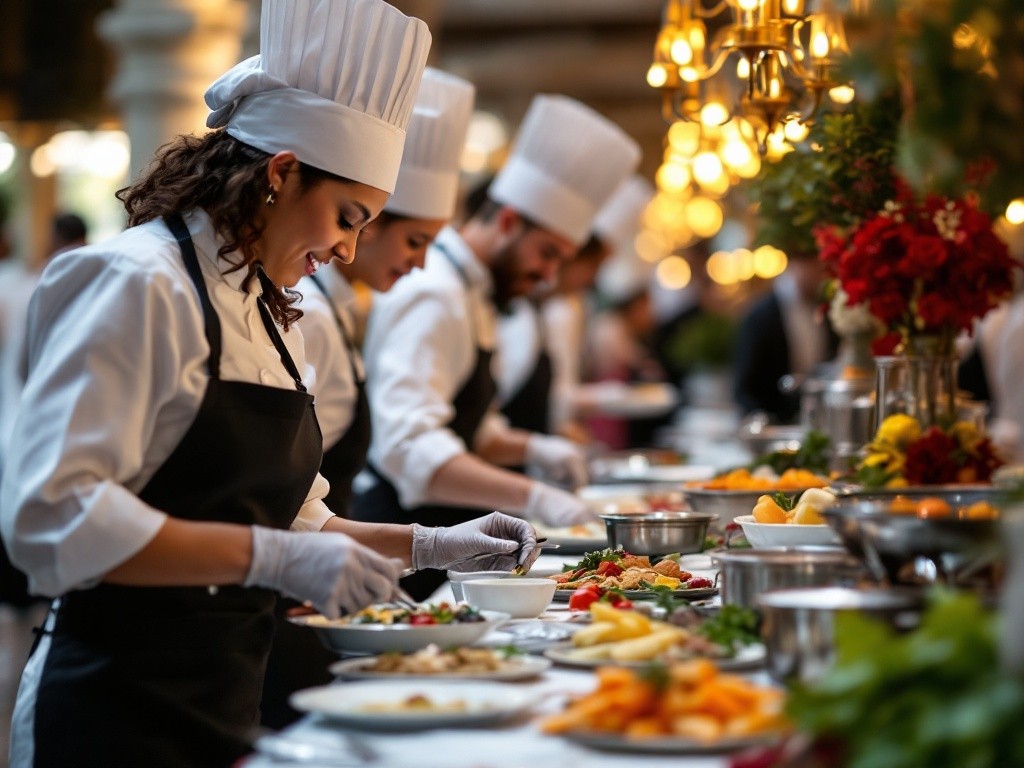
438, 448
162, 484
389, 247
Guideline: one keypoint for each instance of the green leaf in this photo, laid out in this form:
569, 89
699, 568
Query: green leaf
786, 503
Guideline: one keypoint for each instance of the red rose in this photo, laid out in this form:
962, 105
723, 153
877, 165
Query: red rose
924, 253
930, 459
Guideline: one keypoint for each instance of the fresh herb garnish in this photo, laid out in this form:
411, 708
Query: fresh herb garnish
591, 560
786, 503
812, 455
733, 626
509, 651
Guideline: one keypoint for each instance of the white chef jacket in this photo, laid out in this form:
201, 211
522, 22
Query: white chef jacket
519, 346
329, 360
116, 372
564, 318
421, 346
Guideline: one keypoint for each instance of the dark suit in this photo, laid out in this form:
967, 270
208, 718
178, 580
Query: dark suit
762, 357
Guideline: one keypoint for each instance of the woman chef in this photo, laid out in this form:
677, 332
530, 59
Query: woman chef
389, 247
166, 444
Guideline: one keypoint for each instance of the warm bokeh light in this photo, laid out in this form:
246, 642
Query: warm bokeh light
673, 273
657, 76
707, 167
651, 246
769, 262
41, 163
486, 136
795, 131
684, 137
842, 94
704, 216
714, 113
672, 177
7, 154
1015, 211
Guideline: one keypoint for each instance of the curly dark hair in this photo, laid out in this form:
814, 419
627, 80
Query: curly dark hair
227, 178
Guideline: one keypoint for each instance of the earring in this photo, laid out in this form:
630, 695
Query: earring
271, 197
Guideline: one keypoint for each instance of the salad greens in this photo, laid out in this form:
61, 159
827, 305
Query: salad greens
932, 697
732, 626
591, 560
812, 454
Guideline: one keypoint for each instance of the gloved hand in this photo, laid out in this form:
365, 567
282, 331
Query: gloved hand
555, 507
556, 459
330, 570
513, 542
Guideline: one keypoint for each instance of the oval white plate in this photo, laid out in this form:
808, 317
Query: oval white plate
515, 668
785, 534
749, 657
673, 746
405, 638
346, 703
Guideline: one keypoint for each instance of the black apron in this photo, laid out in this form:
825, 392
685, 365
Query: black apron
380, 503
530, 407
298, 659
171, 676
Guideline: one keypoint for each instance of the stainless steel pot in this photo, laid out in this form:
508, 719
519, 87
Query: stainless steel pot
658, 533
799, 624
745, 574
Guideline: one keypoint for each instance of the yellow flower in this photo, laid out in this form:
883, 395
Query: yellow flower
966, 435
874, 459
897, 482
898, 430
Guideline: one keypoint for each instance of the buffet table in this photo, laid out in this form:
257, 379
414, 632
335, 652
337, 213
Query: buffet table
516, 743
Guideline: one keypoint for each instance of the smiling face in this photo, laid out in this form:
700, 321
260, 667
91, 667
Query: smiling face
530, 258
311, 222
390, 248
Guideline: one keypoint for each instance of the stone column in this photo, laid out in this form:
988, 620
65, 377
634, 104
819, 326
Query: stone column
169, 51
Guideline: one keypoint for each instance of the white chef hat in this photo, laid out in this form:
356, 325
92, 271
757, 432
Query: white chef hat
566, 162
618, 220
428, 181
334, 82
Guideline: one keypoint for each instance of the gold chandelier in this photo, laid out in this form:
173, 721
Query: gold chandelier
787, 61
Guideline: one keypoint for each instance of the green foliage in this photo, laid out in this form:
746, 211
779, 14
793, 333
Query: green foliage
732, 627
591, 560
705, 342
932, 697
841, 173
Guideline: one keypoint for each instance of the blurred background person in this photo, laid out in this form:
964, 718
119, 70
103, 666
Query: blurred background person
783, 332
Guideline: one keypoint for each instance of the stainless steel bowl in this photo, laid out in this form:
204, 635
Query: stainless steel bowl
799, 631
892, 544
658, 533
727, 505
745, 574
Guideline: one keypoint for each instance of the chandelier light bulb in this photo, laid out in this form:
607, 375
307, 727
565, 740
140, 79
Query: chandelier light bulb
792, 7
672, 178
1015, 211
736, 153
681, 52
795, 131
714, 113
819, 45
707, 168
657, 76
743, 68
842, 94
748, 5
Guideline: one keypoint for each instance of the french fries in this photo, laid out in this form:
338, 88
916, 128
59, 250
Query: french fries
695, 702
623, 635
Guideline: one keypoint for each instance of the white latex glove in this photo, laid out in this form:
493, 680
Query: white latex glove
556, 508
556, 459
511, 541
330, 570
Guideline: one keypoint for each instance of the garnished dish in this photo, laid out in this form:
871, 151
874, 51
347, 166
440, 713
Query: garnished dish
932, 507
614, 575
415, 702
763, 478
686, 707
387, 613
780, 508
436, 662
633, 638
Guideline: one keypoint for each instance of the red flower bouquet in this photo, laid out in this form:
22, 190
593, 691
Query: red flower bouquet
929, 267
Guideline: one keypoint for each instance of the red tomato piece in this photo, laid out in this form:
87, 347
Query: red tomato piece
582, 598
422, 619
608, 568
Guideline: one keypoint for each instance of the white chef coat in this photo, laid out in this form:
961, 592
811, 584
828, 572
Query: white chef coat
564, 318
519, 347
328, 357
421, 346
117, 369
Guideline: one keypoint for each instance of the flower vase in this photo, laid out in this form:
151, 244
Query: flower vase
930, 380
854, 358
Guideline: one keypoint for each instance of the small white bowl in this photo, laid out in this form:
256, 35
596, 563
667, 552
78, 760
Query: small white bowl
457, 577
785, 534
522, 598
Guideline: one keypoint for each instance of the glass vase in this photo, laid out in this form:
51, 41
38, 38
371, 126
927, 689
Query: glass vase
930, 381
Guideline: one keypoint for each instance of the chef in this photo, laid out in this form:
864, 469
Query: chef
162, 483
389, 248
542, 347
438, 449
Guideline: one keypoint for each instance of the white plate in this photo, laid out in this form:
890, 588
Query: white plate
578, 539
664, 473
671, 746
749, 657
347, 703
636, 401
381, 638
785, 534
515, 668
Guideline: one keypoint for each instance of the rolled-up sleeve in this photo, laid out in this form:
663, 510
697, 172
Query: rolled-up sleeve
314, 513
103, 363
419, 351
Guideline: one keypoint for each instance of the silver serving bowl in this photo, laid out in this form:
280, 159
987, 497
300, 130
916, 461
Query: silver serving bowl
658, 533
746, 573
798, 625
905, 548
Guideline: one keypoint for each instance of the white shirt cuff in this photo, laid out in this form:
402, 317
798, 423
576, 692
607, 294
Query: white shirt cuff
314, 513
411, 470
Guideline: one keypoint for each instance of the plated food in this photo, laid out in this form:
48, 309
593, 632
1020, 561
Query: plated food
762, 479
692, 706
388, 614
780, 520
436, 662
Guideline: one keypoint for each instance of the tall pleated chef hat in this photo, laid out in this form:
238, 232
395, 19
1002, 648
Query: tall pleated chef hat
335, 83
565, 163
619, 219
428, 181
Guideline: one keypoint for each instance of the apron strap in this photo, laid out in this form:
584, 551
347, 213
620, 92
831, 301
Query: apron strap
349, 343
268, 323
211, 322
